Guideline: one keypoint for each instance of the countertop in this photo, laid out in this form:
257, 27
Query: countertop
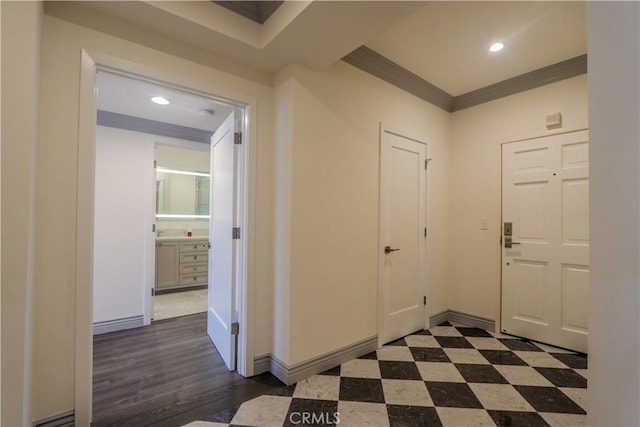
167, 238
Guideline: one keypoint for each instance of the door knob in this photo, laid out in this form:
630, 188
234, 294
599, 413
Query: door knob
388, 250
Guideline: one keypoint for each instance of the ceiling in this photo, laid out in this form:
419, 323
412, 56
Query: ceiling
445, 43
257, 11
122, 95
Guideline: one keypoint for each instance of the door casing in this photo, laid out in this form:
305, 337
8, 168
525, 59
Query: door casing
91, 62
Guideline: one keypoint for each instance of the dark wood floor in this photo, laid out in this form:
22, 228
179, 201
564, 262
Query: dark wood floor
165, 374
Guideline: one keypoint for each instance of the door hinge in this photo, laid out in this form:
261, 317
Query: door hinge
424, 300
426, 163
208, 245
153, 228
425, 232
235, 328
237, 138
155, 164
153, 292
236, 233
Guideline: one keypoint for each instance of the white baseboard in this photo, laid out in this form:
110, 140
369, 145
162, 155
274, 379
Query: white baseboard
118, 325
466, 319
261, 364
295, 373
66, 419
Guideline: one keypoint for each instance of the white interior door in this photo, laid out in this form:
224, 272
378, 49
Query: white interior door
402, 236
545, 273
222, 256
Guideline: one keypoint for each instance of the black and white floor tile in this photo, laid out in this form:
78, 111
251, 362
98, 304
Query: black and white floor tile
446, 376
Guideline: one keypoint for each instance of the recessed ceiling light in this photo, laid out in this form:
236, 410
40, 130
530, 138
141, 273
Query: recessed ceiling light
496, 47
160, 100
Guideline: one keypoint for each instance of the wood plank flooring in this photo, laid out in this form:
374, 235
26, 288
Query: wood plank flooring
166, 374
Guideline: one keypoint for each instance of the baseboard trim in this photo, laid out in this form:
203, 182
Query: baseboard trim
294, 373
462, 318
65, 419
118, 325
472, 320
261, 364
439, 318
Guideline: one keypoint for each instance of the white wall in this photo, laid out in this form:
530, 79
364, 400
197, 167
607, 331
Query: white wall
476, 137
329, 141
21, 31
614, 309
57, 177
194, 157
124, 213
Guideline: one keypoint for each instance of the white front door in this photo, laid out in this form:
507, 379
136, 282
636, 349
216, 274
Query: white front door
402, 246
221, 313
545, 272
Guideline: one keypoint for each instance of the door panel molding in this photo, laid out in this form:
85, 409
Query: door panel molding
545, 198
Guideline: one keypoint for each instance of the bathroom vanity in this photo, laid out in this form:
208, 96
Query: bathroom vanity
181, 262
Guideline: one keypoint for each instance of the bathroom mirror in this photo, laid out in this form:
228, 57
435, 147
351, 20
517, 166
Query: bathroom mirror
182, 194
182, 180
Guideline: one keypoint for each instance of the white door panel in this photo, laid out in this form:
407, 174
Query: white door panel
402, 225
545, 274
222, 256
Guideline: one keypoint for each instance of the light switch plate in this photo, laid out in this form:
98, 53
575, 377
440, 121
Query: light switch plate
484, 223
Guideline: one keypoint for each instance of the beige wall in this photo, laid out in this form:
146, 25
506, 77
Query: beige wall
56, 203
317, 227
614, 289
334, 166
476, 137
21, 26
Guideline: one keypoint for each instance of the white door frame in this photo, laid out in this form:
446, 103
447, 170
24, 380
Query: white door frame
90, 63
386, 128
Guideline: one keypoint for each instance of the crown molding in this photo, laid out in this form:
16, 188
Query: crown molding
377, 65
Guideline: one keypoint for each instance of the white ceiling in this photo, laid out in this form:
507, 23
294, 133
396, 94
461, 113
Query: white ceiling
446, 43
118, 94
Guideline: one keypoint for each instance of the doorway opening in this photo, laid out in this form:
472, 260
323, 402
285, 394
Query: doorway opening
134, 141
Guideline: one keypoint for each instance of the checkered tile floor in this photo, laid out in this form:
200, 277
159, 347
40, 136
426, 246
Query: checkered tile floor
450, 376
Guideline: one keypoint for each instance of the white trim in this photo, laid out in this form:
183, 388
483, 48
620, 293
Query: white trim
107, 326
299, 371
149, 235
64, 419
261, 364
466, 319
90, 63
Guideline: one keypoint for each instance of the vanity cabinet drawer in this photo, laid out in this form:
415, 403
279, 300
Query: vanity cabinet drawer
193, 279
194, 268
193, 246
193, 257
181, 263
